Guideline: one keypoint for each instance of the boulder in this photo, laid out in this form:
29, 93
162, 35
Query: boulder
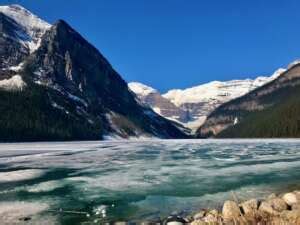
296, 206
290, 198
231, 210
210, 219
292, 216
250, 207
198, 222
199, 215
214, 212
278, 204
266, 207
271, 196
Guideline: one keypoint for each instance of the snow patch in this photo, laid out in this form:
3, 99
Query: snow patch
12, 212
13, 84
157, 110
77, 99
236, 120
218, 90
20, 175
45, 186
141, 89
55, 105
16, 68
34, 26
294, 63
215, 90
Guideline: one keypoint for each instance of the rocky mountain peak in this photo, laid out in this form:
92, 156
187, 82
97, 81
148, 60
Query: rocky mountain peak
191, 106
66, 61
32, 26
75, 70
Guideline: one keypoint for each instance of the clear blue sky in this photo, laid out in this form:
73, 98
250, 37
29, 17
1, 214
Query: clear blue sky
180, 43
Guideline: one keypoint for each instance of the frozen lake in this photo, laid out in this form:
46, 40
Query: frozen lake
82, 182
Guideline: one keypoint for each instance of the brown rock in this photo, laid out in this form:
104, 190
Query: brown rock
290, 198
230, 210
210, 219
267, 208
291, 216
296, 206
214, 212
271, 196
250, 207
198, 222
278, 204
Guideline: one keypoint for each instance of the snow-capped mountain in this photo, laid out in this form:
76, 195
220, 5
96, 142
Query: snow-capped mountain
32, 27
151, 97
20, 35
50, 92
270, 111
195, 103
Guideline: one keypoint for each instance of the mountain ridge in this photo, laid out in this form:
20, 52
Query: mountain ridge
191, 106
79, 87
250, 115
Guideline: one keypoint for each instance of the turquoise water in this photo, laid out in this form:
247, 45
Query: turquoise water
94, 182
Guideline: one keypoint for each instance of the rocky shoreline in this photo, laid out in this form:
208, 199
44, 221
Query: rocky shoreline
283, 209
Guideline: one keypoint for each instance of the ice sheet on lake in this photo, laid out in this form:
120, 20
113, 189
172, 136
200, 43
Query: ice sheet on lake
45, 186
16, 212
20, 175
149, 176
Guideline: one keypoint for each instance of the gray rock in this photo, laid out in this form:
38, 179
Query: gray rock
199, 215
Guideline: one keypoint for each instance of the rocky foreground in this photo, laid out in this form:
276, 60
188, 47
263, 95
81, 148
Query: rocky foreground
281, 209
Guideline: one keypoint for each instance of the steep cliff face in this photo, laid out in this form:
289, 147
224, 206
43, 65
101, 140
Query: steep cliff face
12, 51
72, 90
242, 117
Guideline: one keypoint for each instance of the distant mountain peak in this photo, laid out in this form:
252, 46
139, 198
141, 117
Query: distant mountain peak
270, 111
191, 106
218, 90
